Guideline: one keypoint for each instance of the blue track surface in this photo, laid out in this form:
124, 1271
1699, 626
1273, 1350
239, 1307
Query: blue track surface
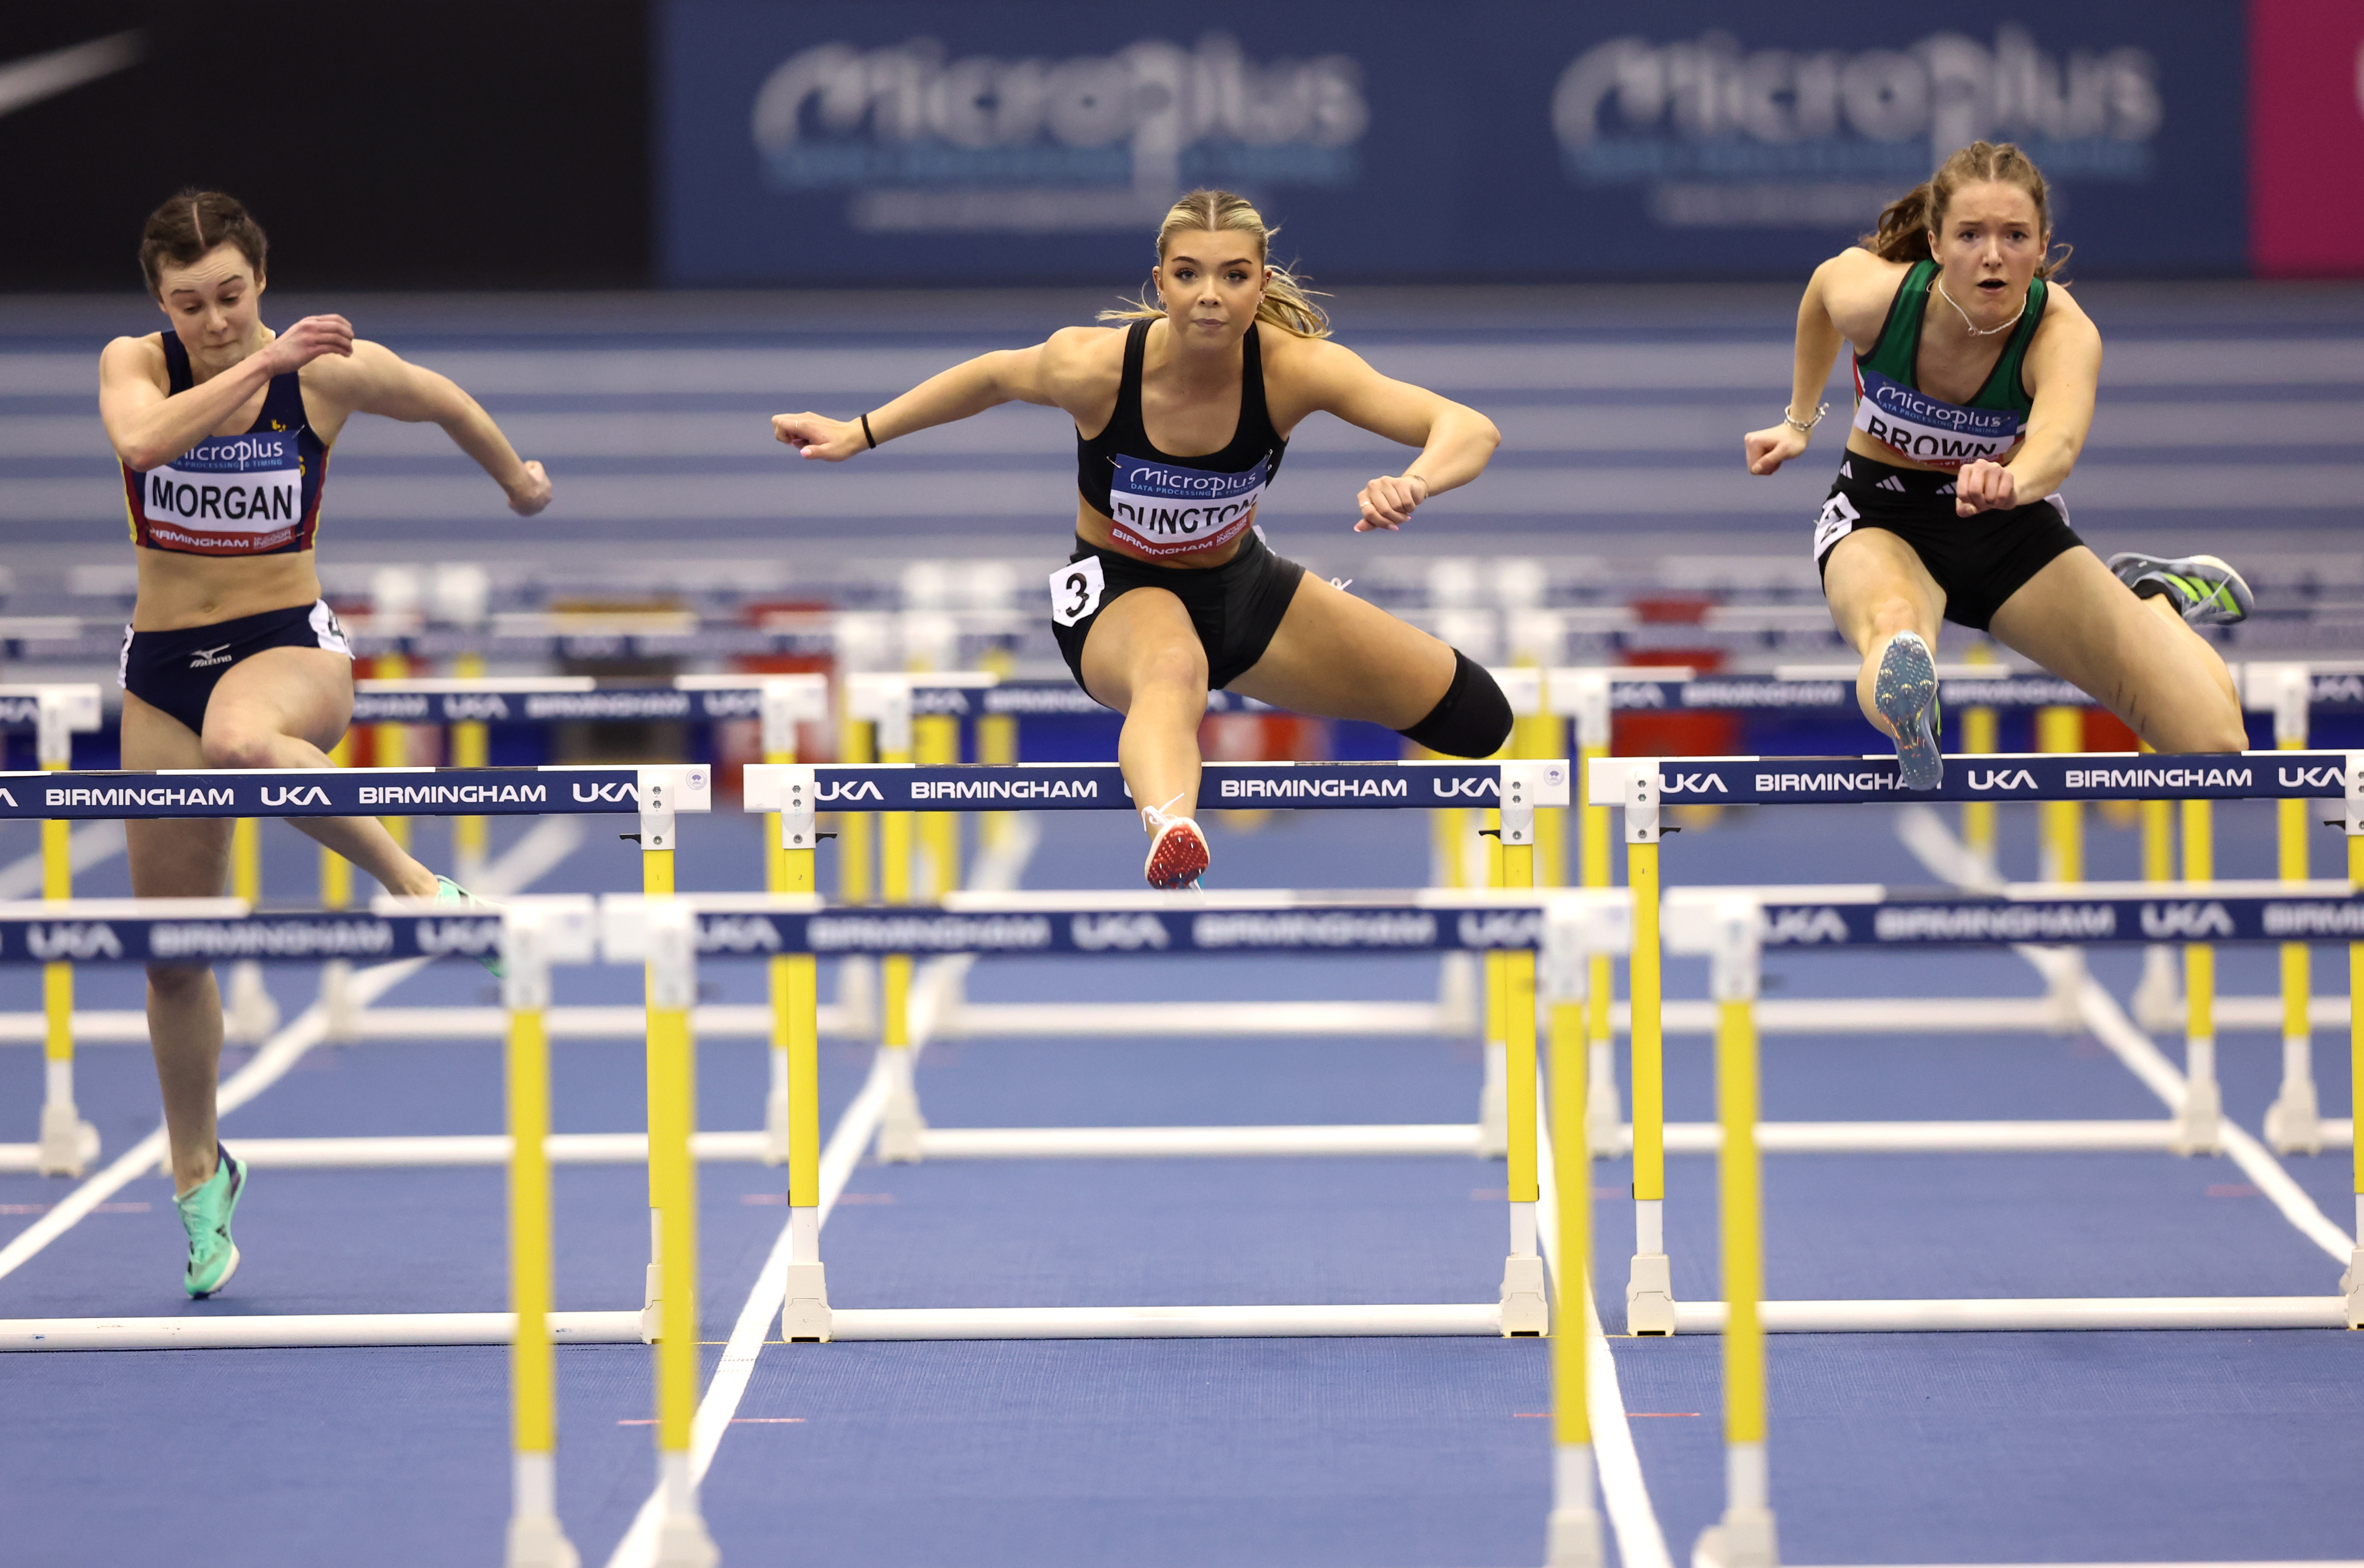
1887, 1448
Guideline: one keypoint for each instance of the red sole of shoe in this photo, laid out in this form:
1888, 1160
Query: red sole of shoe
1178, 859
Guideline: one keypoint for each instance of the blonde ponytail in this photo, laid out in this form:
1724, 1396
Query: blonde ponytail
1287, 302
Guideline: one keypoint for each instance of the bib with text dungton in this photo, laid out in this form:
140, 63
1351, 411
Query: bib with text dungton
1930, 429
1163, 508
228, 495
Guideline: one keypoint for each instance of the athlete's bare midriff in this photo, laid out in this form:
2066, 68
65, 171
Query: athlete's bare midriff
1096, 528
1862, 445
178, 591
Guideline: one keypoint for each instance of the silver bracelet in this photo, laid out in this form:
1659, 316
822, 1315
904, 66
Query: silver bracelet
1806, 425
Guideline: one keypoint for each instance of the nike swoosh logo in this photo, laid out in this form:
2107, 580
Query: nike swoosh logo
24, 82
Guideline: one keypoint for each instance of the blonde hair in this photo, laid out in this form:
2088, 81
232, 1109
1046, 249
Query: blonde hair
1287, 304
1906, 223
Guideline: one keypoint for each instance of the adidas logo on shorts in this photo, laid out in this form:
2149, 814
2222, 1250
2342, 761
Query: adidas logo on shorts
1890, 482
1946, 488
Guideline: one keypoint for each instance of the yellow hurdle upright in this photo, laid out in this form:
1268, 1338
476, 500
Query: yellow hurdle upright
68, 1144
672, 1188
1525, 1308
1746, 1533
1649, 1287
535, 1538
2198, 1123
1573, 1538
2294, 1123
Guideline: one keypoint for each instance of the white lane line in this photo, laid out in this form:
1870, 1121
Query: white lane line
92, 844
1641, 1542
1932, 842
532, 855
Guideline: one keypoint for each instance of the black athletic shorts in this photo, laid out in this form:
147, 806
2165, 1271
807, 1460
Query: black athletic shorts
177, 671
1236, 606
1979, 562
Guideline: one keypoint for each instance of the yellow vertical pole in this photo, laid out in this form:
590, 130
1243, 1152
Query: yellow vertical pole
673, 1184
2197, 1127
472, 747
656, 882
996, 745
802, 999
391, 748
2062, 822
336, 871
1747, 1526
1596, 869
792, 976
1518, 1038
246, 859
935, 740
899, 1122
2293, 1121
1573, 1530
1979, 737
67, 1142
1649, 1287
854, 829
2355, 1275
534, 1533
1494, 1103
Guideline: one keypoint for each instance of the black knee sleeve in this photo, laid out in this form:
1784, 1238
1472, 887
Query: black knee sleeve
1471, 719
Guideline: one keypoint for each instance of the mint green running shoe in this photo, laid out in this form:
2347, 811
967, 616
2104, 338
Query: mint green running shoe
451, 893
205, 1215
1905, 692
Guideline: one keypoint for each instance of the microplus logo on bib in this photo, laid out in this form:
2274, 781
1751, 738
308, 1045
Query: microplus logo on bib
241, 485
1930, 429
1163, 508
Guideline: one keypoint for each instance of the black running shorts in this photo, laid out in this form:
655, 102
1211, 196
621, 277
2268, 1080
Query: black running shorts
1236, 606
177, 671
1979, 562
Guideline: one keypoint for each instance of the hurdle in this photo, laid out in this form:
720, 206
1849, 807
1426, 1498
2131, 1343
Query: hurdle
1120, 924
1733, 926
67, 1143
1641, 786
799, 793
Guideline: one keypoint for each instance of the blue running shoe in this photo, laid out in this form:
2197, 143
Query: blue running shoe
2203, 590
451, 893
1905, 693
205, 1215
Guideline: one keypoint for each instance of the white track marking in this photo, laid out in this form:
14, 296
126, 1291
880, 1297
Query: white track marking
1925, 834
93, 844
530, 858
1641, 1542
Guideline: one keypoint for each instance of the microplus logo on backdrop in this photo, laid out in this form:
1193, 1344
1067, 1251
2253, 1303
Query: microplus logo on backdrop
1725, 136
924, 143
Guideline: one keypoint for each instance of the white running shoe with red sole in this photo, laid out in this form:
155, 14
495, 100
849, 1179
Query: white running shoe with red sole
1177, 855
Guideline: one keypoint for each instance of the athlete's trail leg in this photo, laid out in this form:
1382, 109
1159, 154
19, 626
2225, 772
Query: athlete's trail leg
2135, 657
1142, 659
282, 708
1877, 588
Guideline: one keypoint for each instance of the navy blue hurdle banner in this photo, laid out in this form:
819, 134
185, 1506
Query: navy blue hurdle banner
353, 792
1100, 786
2025, 775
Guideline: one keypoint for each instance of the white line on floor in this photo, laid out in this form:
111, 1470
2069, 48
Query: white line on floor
93, 844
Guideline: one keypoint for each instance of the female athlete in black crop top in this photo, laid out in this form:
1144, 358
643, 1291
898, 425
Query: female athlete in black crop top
232, 660
1171, 591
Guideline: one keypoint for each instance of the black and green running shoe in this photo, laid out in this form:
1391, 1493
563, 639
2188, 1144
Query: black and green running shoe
2202, 589
450, 892
1905, 692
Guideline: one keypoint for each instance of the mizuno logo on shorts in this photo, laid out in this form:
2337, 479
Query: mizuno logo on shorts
204, 658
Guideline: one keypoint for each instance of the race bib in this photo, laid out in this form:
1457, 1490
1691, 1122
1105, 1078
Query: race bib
1930, 429
1075, 590
1163, 508
229, 494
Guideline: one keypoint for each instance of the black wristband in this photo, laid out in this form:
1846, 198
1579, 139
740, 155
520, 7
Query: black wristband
866, 435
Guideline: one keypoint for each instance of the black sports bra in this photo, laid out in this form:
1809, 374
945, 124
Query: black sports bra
1163, 506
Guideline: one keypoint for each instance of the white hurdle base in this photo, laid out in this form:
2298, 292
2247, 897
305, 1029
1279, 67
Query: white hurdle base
484, 1148
1162, 1322
1167, 1142
301, 1330
2065, 1312
1919, 1136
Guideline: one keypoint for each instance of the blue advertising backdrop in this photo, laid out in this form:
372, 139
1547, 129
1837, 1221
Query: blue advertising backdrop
908, 143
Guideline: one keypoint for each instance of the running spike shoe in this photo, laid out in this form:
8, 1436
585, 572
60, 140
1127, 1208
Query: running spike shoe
1177, 855
451, 893
1905, 692
2202, 589
205, 1215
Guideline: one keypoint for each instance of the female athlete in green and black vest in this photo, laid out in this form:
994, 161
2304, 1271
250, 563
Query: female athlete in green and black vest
1974, 387
1171, 590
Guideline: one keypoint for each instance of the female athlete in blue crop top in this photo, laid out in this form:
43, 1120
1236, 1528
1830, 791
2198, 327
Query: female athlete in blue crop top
232, 660
1974, 382
1171, 591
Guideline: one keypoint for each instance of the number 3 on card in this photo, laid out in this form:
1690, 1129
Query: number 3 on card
1075, 590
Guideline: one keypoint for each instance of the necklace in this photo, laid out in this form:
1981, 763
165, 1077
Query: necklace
1980, 332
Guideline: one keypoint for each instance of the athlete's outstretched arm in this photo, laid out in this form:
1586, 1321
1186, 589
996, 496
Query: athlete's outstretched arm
379, 380
2062, 370
1043, 373
150, 428
1456, 441
1819, 341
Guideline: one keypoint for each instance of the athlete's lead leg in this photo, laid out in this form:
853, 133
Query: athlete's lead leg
1143, 658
